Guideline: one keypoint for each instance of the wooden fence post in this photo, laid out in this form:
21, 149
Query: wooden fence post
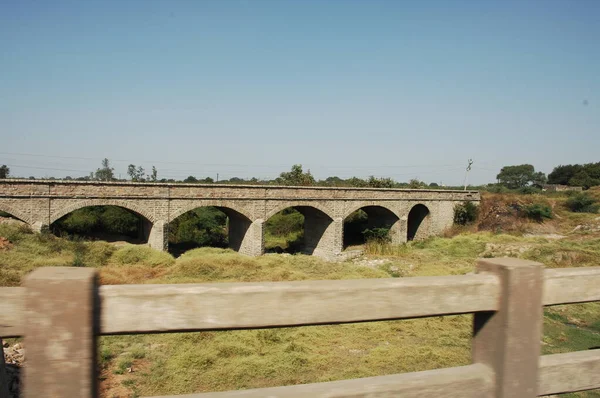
3, 374
508, 340
60, 329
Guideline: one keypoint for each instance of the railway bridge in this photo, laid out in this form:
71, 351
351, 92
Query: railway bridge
409, 213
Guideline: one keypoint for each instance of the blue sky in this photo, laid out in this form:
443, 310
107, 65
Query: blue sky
401, 89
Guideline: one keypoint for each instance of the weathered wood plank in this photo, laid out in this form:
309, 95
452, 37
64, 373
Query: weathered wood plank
465, 381
186, 307
12, 305
571, 285
3, 375
570, 372
508, 340
60, 333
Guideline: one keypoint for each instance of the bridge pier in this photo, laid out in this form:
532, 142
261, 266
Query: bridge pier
324, 237
39, 226
253, 241
157, 235
398, 231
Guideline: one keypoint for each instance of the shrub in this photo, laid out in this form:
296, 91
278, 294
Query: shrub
529, 190
537, 211
465, 213
582, 203
377, 234
285, 222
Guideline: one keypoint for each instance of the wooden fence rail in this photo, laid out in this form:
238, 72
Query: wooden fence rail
60, 312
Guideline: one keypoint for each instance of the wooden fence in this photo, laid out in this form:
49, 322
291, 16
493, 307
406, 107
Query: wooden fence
60, 312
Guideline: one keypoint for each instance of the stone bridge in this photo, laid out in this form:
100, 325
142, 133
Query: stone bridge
409, 213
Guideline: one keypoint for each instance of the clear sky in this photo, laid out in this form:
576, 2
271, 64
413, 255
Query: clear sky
401, 89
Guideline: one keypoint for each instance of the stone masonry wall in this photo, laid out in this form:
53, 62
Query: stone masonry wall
40, 203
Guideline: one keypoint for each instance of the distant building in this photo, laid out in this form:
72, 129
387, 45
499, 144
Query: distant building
560, 188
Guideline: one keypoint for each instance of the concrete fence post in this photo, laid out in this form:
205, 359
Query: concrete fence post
60, 329
508, 340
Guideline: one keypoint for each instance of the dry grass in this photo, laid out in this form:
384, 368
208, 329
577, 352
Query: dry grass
214, 361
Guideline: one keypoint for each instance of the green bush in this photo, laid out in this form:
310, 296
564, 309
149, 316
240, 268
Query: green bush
582, 203
377, 234
537, 211
465, 213
95, 219
285, 222
204, 226
529, 190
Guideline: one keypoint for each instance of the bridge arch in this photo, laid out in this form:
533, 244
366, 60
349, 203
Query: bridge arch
13, 211
321, 234
150, 229
244, 234
378, 217
300, 204
129, 205
418, 222
225, 207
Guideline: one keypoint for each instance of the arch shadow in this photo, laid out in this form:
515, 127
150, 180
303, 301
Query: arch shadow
418, 223
102, 223
371, 220
227, 227
314, 236
139, 210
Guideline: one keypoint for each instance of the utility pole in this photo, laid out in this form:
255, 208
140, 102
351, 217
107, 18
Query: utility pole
467, 173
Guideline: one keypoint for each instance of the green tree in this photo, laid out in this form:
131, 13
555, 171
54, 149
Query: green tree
105, 173
416, 184
296, 177
154, 175
333, 182
191, 179
357, 182
380, 182
465, 213
583, 179
563, 174
587, 175
136, 173
4, 171
520, 176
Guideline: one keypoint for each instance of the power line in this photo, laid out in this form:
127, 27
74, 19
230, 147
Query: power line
243, 165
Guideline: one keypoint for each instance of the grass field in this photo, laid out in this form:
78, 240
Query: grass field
216, 361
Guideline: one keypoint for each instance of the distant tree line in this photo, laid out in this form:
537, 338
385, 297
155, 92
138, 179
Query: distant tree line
525, 179
521, 177
581, 175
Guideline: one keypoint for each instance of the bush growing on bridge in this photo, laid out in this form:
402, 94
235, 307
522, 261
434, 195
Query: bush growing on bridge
465, 213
